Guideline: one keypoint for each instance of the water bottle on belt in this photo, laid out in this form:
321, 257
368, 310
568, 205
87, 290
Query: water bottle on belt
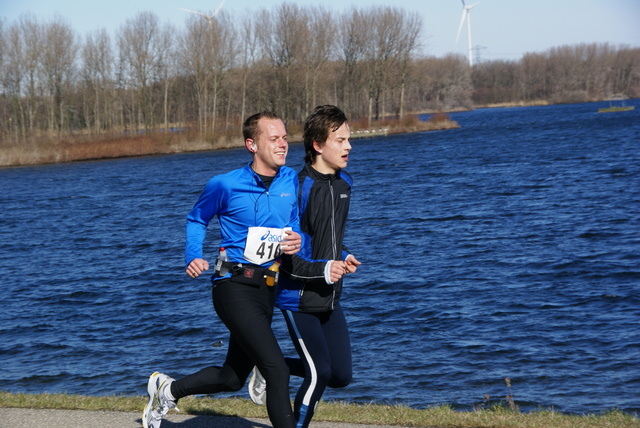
221, 267
273, 280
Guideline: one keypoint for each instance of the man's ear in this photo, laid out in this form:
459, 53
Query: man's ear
250, 145
317, 147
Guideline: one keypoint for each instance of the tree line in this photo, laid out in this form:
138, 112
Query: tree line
207, 76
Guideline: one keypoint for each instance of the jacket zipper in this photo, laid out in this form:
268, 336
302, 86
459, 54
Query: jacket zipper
333, 239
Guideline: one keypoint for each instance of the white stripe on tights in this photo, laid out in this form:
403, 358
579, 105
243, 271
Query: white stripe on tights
314, 373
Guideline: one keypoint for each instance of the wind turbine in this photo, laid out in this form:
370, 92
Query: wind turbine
207, 17
466, 13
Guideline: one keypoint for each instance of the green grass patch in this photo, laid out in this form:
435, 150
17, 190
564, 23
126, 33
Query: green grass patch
439, 416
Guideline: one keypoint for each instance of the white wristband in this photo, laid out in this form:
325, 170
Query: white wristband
327, 272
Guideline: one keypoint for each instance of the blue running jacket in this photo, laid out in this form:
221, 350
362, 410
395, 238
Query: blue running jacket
241, 200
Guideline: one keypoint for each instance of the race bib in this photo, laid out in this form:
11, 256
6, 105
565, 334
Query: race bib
263, 244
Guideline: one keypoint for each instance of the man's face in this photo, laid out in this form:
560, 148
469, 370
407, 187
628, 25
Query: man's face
271, 146
334, 155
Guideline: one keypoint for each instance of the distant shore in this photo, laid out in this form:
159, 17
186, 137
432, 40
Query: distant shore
79, 147
84, 148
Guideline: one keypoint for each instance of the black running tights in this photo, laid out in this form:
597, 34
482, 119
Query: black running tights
247, 311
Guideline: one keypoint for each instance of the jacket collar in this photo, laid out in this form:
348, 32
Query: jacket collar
316, 175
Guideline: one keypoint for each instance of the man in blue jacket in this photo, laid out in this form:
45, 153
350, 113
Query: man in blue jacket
255, 206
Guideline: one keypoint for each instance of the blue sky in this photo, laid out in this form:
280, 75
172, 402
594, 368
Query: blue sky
501, 29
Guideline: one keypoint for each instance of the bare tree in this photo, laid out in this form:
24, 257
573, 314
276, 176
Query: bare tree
280, 35
12, 78
207, 52
394, 35
409, 44
249, 44
495, 82
565, 73
625, 77
3, 50
533, 83
195, 64
223, 53
448, 82
58, 61
354, 35
31, 38
166, 69
6, 116
140, 45
318, 39
97, 71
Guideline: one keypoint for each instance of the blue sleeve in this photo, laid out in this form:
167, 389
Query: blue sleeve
294, 220
209, 204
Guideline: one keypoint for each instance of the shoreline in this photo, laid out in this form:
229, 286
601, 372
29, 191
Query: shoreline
80, 149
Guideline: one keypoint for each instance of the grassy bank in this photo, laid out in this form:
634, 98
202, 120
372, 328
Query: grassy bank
81, 148
72, 148
441, 416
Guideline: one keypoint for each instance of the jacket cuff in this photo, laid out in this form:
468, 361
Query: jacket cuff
327, 272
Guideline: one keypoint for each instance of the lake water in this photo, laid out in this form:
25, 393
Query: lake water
507, 248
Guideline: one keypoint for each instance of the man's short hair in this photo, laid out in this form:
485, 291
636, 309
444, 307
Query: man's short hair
250, 128
324, 120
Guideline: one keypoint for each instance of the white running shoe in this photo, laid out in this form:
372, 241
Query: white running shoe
158, 404
257, 387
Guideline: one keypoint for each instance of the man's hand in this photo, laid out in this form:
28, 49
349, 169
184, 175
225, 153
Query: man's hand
291, 242
337, 270
196, 267
351, 264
